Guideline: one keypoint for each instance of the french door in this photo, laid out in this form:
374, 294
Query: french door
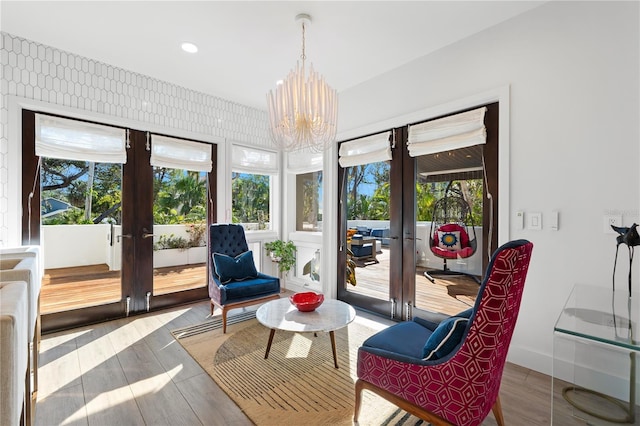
89, 290
389, 207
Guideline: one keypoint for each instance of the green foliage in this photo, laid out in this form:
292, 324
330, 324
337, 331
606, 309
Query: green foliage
310, 185
425, 198
250, 200
361, 180
67, 181
197, 234
171, 242
71, 216
180, 196
283, 252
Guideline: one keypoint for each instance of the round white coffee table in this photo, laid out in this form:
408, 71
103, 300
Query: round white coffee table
282, 315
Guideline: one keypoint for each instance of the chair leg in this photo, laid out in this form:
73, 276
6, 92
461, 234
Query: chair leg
224, 320
497, 412
356, 410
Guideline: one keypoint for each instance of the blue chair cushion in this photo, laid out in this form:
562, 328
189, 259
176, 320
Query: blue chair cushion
406, 338
380, 232
444, 338
237, 291
362, 250
236, 268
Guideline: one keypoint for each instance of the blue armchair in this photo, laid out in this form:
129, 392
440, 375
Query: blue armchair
234, 281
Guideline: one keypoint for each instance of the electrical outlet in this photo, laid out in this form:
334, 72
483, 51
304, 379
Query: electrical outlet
611, 219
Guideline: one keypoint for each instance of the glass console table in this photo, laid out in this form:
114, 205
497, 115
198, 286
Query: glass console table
595, 345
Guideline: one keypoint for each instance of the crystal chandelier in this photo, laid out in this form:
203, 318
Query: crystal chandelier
303, 110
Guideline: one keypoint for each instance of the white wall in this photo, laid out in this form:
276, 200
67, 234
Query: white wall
75, 245
573, 70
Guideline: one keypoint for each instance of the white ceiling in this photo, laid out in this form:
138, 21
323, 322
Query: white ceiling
246, 46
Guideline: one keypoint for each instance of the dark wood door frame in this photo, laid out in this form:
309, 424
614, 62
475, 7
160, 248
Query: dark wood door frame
378, 306
402, 206
137, 219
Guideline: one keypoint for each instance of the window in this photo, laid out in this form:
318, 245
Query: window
252, 187
309, 201
251, 198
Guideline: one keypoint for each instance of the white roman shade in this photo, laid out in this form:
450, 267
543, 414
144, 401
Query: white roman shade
367, 150
180, 154
246, 159
78, 140
303, 161
445, 134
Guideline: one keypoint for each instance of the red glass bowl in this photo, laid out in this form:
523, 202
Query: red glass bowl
306, 302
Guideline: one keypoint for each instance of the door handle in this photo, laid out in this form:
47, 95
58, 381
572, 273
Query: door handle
146, 233
123, 236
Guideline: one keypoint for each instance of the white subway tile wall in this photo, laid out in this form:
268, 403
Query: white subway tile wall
36, 71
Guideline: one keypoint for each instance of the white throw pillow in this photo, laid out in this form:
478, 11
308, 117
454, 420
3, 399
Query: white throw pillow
449, 240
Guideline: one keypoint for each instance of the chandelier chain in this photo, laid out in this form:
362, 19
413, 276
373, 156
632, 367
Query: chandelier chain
304, 55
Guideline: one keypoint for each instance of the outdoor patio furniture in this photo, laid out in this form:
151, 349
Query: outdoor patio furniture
363, 230
363, 248
234, 281
382, 235
450, 372
453, 234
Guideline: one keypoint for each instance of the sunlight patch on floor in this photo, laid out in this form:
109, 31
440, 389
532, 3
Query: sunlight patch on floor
299, 347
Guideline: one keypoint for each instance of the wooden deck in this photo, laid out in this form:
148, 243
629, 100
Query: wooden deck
448, 295
85, 286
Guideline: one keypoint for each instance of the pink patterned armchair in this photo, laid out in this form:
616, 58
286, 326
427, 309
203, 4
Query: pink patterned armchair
450, 372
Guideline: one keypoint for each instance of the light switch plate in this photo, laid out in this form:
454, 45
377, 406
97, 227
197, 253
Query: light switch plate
535, 221
553, 220
520, 220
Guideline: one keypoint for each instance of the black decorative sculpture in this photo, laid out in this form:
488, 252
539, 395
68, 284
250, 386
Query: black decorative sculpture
631, 238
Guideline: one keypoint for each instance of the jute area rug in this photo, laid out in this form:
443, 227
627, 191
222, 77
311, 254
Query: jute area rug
298, 384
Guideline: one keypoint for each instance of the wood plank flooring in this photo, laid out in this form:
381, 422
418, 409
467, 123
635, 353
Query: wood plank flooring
448, 295
132, 372
71, 288
83, 286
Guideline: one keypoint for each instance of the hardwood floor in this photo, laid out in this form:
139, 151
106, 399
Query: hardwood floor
131, 371
78, 287
83, 286
448, 295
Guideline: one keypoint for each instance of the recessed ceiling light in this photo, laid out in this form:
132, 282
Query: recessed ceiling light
189, 47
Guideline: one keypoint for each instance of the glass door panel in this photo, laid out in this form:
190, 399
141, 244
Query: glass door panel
81, 222
411, 277
449, 191
95, 222
369, 237
367, 208
179, 230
